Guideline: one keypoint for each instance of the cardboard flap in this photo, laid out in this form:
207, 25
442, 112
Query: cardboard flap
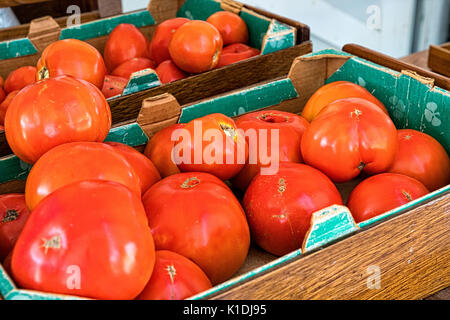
415, 75
162, 10
158, 112
44, 31
108, 8
231, 5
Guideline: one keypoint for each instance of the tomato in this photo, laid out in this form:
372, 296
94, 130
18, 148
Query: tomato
113, 86
422, 157
196, 46
7, 264
382, 193
77, 161
168, 71
126, 69
290, 128
335, 91
196, 215
159, 46
159, 150
2, 95
20, 78
74, 58
5, 105
142, 166
13, 215
348, 137
2, 82
235, 53
174, 277
55, 111
223, 152
125, 42
279, 207
231, 26
90, 239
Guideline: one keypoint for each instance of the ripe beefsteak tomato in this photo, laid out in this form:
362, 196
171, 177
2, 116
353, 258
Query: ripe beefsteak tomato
168, 71
289, 128
348, 137
235, 53
174, 277
381, 193
142, 166
196, 215
72, 57
196, 46
422, 157
159, 150
279, 207
55, 111
77, 161
231, 26
20, 78
113, 86
159, 46
13, 215
335, 91
89, 239
223, 152
126, 69
125, 42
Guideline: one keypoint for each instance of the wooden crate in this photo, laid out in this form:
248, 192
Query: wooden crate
439, 59
408, 247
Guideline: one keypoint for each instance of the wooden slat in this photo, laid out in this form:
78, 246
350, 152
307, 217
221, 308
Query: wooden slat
439, 59
13, 3
411, 250
395, 64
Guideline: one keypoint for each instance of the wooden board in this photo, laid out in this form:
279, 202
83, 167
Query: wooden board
12, 3
439, 59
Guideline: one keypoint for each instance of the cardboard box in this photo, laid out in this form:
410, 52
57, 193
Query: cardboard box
408, 247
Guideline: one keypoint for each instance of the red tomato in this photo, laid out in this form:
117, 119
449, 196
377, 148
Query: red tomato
125, 42
7, 264
2, 95
113, 86
20, 78
159, 46
290, 128
2, 82
348, 137
335, 91
168, 72
196, 215
142, 166
5, 104
196, 46
235, 53
74, 58
90, 239
382, 193
126, 69
174, 277
231, 26
422, 157
279, 207
222, 154
13, 215
159, 150
55, 111
77, 161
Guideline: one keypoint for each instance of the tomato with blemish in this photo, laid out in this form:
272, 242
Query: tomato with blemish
160, 148
231, 26
126, 69
335, 91
196, 46
174, 277
91, 239
113, 86
348, 137
77, 161
277, 130
381, 193
167, 72
13, 215
55, 111
142, 166
211, 144
159, 46
279, 207
125, 42
20, 78
72, 57
235, 53
422, 157
196, 215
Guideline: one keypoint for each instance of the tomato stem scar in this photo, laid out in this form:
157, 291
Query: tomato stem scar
11, 215
190, 183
